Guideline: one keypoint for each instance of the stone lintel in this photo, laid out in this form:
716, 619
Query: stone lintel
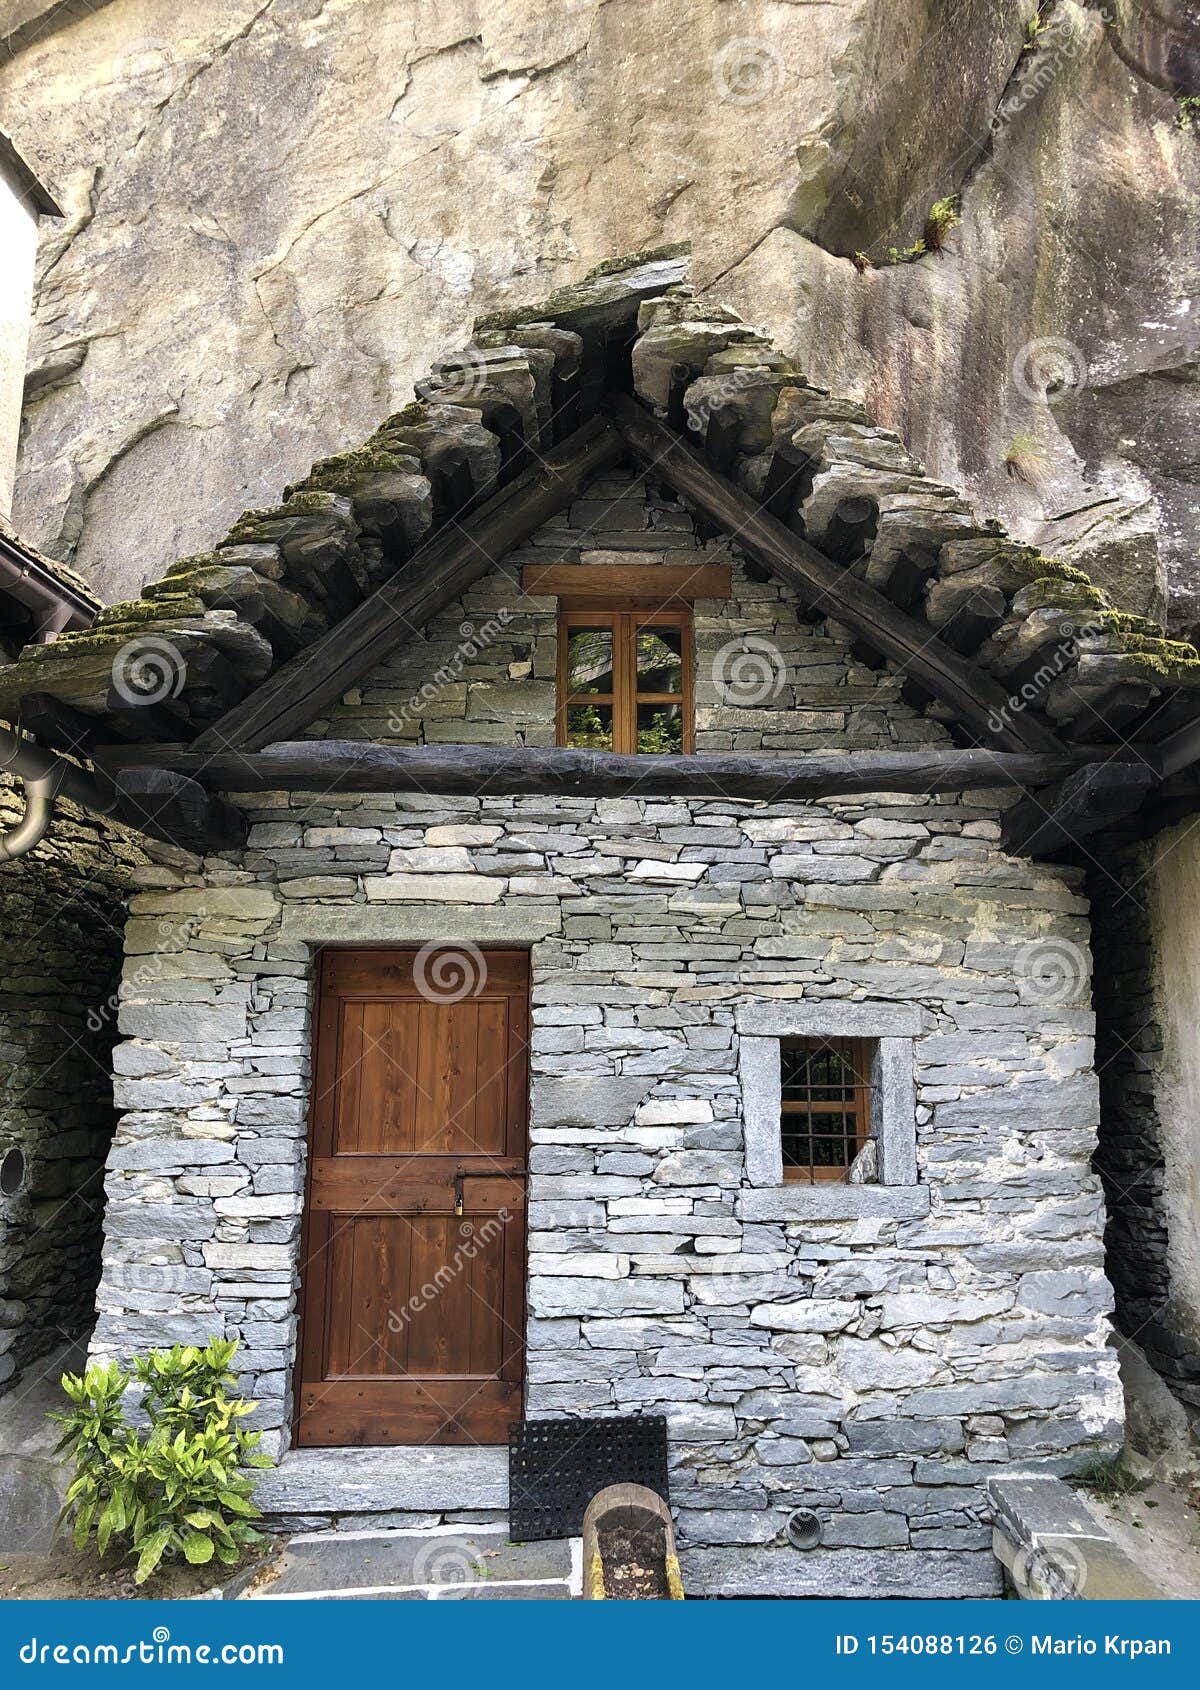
835, 1203
375, 924
752, 1571
831, 1019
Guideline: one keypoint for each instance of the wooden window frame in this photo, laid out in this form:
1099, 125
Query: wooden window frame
860, 1053
624, 698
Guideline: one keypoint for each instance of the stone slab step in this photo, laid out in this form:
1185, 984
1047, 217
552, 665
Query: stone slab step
466, 1562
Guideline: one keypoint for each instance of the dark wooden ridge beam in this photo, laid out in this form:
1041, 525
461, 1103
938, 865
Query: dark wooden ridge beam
437, 574
472, 770
976, 699
1093, 797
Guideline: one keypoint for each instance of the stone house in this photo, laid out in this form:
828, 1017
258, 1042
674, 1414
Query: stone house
614, 941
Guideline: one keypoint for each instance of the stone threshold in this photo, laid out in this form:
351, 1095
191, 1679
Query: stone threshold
422, 1478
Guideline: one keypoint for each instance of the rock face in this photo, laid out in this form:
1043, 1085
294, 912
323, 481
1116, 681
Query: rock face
281, 210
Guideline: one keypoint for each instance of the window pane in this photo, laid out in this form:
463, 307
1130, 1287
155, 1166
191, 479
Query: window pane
589, 726
826, 1110
590, 660
660, 727
660, 660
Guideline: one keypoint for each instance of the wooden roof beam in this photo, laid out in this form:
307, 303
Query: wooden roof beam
477, 771
976, 699
438, 573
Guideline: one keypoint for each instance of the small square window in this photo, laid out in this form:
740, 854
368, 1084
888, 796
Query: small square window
829, 1109
625, 680
826, 1112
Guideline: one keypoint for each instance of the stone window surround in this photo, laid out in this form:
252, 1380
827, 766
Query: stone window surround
893, 1027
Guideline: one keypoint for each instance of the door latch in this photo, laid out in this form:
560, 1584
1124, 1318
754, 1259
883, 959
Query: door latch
458, 1192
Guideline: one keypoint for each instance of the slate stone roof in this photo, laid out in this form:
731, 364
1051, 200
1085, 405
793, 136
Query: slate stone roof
282, 576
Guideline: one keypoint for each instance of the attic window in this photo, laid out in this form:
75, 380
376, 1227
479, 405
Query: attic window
825, 1110
625, 680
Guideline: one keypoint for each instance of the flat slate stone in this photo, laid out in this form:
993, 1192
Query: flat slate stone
839, 1573
455, 1558
421, 1480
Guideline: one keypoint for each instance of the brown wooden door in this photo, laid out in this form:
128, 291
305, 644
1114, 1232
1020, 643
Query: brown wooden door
412, 1327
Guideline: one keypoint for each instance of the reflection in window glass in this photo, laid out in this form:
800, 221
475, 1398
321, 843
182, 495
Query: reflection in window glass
660, 727
590, 660
660, 660
589, 726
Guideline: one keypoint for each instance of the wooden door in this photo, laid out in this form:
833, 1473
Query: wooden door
413, 1276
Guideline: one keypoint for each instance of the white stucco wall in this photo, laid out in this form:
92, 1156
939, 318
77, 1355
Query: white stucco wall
18, 243
1176, 910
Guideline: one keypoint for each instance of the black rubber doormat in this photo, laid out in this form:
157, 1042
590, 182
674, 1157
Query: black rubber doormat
555, 1468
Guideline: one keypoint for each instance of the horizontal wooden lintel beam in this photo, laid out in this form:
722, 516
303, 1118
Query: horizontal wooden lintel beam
649, 584
473, 771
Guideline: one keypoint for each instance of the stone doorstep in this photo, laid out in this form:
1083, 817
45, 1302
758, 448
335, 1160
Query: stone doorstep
439, 1563
399, 1479
1045, 1534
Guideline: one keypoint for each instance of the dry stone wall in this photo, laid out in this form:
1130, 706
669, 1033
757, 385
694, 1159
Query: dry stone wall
61, 919
877, 1370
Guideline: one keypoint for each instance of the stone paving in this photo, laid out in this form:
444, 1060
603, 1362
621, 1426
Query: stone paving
458, 1563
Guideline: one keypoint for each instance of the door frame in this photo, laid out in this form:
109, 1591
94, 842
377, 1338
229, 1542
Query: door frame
406, 947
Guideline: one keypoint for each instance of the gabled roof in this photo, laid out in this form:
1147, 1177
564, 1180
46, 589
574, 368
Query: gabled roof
299, 600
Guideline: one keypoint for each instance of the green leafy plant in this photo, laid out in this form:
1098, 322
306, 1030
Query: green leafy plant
1037, 26
942, 221
178, 1487
906, 254
1187, 112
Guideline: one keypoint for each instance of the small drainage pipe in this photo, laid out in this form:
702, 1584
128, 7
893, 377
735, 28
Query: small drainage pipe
45, 777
